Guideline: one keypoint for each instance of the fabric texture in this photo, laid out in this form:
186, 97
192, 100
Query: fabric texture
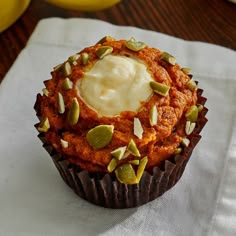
33, 198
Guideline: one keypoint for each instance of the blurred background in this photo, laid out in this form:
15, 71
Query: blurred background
212, 21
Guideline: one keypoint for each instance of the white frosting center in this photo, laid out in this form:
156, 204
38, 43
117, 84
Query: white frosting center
115, 84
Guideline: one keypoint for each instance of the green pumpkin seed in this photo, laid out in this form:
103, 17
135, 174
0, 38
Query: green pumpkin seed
64, 143
141, 167
100, 136
134, 162
104, 51
178, 150
112, 165
73, 114
126, 174
119, 153
84, 58
161, 89
168, 58
135, 45
153, 116
200, 107
192, 113
191, 84
73, 58
44, 125
105, 39
132, 148
186, 70
138, 129
67, 84
67, 69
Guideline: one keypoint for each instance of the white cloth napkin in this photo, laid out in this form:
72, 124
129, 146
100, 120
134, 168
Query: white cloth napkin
33, 198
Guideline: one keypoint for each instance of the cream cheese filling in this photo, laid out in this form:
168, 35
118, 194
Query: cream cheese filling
115, 84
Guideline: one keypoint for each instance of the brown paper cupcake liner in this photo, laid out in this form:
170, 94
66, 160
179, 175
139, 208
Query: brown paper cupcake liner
104, 190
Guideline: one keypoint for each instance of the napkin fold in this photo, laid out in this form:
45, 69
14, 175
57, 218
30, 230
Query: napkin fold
33, 198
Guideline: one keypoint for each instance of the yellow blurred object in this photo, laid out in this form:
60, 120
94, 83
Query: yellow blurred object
10, 11
84, 5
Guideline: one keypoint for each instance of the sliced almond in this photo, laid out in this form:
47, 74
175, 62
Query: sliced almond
61, 104
138, 129
45, 92
189, 127
64, 143
185, 142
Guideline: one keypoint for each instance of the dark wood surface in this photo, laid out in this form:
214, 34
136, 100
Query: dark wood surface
212, 21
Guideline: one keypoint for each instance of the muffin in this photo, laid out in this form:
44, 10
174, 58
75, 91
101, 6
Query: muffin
120, 120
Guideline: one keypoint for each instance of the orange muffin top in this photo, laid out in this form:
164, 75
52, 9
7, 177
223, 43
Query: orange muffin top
118, 104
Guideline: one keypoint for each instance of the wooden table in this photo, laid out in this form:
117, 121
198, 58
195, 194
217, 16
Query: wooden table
212, 21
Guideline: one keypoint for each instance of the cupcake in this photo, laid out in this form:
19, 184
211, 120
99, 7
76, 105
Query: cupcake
120, 120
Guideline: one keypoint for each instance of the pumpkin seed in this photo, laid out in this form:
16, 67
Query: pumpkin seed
200, 107
159, 88
112, 164
100, 136
191, 84
185, 142
138, 130
141, 167
132, 148
104, 51
186, 70
44, 125
135, 45
84, 58
58, 67
105, 39
192, 113
73, 58
153, 116
126, 174
134, 162
119, 153
73, 114
67, 69
178, 150
67, 84
45, 92
64, 143
168, 58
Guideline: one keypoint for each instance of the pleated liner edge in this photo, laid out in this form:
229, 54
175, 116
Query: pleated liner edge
106, 191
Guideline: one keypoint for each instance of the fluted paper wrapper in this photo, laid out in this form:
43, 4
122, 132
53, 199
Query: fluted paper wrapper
105, 190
